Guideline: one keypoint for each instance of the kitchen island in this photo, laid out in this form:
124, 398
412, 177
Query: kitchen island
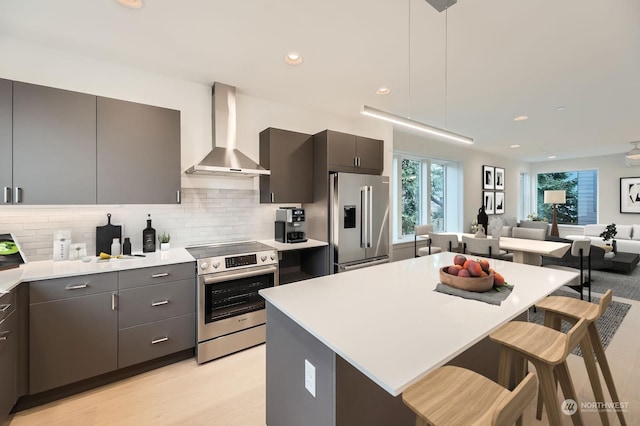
342, 348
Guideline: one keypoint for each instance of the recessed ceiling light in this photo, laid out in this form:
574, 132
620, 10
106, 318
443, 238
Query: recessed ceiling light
561, 107
551, 157
383, 91
293, 58
514, 146
131, 4
520, 118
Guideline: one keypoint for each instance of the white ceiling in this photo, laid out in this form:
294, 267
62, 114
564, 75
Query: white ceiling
505, 58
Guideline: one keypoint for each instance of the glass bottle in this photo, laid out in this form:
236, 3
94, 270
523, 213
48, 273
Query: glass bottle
126, 246
115, 247
148, 237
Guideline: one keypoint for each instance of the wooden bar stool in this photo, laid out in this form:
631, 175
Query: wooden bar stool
457, 396
547, 349
559, 308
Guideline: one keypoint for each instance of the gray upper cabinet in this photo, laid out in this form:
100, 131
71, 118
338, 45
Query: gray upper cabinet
6, 143
289, 157
54, 150
342, 152
138, 153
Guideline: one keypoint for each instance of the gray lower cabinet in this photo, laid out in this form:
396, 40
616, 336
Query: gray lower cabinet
54, 149
157, 312
73, 330
6, 141
289, 157
8, 355
138, 153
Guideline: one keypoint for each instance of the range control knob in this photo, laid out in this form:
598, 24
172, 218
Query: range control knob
216, 265
204, 265
273, 257
263, 258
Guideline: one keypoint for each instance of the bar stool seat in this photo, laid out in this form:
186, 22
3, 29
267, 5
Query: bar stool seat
457, 396
558, 308
547, 349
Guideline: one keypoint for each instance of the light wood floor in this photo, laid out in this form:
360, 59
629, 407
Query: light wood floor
231, 391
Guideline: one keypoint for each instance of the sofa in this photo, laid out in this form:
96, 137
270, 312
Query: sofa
627, 238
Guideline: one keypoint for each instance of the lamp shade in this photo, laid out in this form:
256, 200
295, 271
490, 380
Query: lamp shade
555, 197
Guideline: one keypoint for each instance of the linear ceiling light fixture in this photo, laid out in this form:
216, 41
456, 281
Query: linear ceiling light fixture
412, 124
407, 122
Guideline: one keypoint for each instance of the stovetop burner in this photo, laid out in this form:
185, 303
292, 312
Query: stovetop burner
227, 249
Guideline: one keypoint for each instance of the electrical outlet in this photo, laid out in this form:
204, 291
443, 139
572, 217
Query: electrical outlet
310, 377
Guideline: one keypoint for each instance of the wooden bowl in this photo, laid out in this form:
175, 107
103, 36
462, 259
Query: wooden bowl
477, 284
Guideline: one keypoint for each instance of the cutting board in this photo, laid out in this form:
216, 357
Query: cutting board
105, 235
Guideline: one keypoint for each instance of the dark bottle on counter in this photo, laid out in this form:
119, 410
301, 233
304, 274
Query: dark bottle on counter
126, 247
149, 238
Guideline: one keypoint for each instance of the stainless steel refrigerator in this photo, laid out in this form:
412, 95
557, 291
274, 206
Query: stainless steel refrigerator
358, 220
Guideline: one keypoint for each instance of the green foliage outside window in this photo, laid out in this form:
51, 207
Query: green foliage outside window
568, 181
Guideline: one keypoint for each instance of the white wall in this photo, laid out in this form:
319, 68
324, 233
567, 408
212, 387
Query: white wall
472, 161
610, 169
31, 63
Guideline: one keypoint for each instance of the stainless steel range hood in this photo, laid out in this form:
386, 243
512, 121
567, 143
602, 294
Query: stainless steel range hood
224, 159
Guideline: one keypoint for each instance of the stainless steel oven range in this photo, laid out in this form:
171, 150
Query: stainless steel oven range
231, 313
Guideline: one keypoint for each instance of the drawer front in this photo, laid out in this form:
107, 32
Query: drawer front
149, 341
8, 364
157, 275
7, 304
142, 305
64, 288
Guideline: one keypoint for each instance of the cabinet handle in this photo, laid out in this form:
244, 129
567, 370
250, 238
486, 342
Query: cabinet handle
7, 194
114, 301
162, 339
178, 196
4, 335
160, 275
76, 286
355, 161
5, 308
273, 198
164, 302
18, 196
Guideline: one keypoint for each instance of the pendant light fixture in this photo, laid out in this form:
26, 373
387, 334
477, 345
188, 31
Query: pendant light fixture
634, 154
413, 124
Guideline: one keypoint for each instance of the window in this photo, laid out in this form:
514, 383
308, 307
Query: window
420, 194
581, 188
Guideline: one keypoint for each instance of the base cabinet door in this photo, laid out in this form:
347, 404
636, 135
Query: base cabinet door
71, 340
8, 364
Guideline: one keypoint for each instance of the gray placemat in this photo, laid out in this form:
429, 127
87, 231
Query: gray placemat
492, 296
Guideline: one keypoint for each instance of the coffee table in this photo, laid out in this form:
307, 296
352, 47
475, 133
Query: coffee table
624, 262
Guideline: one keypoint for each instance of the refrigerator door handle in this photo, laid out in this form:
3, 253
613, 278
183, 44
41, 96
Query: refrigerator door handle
364, 215
370, 221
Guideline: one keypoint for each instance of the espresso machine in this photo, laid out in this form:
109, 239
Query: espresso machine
290, 226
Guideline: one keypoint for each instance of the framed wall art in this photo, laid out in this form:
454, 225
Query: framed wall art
499, 179
499, 202
488, 201
630, 195
488, 177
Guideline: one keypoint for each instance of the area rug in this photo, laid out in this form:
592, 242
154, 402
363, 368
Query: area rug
623, 285
607, 324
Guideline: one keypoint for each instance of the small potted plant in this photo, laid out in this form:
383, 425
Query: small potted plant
608, 234
164, 241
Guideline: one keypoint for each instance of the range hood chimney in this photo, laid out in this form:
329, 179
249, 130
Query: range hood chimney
224, 159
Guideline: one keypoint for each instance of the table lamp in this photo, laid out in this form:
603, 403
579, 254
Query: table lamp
555, 197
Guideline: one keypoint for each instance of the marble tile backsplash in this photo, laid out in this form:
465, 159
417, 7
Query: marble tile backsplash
205, 216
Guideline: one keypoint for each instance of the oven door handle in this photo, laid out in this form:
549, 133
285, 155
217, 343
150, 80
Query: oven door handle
260, 270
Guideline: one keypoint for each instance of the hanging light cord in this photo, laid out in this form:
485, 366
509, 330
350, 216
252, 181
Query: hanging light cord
446, 49
409, 60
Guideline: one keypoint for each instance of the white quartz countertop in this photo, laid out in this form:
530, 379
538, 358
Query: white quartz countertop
294, 246
46, 269
389, 323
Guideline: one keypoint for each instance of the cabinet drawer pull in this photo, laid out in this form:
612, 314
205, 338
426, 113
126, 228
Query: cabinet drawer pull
114, 301
160, 275
163, 339
5, 308
76, 286
18, 196
178, 197
164, 302
7, 195
4, 335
